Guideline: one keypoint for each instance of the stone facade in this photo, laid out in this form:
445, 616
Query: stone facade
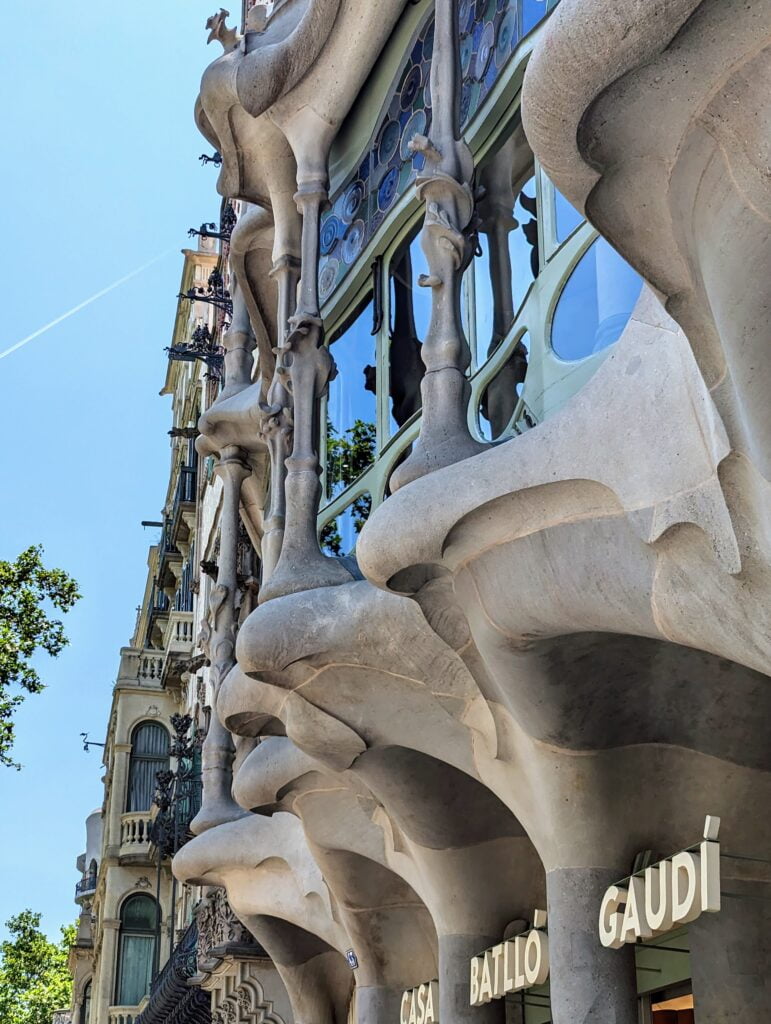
485, 530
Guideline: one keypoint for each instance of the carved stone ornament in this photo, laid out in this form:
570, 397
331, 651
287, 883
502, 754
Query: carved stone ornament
218, 29
218, 926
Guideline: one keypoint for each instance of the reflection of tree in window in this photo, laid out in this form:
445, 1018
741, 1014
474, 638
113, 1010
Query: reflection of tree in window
339, 536
351, 407
507, 265
348, 455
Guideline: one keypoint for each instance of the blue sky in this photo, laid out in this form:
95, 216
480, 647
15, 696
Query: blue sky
100, 174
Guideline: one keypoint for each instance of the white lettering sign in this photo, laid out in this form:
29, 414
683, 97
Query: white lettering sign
420, 1005
666, 895
511, 966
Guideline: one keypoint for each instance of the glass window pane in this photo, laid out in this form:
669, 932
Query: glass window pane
142, 781
136, 968
509, 260
150, 738
339, 536
352, 403
567, 217
595, 304
504, 391
138, 914
410, 316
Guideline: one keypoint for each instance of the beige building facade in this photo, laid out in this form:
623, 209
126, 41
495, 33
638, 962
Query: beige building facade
478, 676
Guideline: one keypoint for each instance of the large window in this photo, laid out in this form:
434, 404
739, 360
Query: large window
149, 755
136, 949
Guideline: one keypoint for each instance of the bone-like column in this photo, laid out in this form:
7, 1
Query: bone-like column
277, 418
588, 982
218, 751
308, 368
445, 186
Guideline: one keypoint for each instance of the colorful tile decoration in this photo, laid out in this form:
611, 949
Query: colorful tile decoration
489, 32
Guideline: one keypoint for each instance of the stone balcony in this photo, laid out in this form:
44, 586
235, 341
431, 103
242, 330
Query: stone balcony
122, 1014
179, 633
135, 835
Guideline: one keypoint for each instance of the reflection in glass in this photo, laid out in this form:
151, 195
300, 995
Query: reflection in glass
508, 259
534, 11
338, 537
410, 307
566, 217
504, 391
351, 406
595, 304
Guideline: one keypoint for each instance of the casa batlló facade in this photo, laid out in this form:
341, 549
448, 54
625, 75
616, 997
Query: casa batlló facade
488, 728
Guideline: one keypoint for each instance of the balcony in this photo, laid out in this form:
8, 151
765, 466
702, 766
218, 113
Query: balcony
86, 887
181, 526
135, 834
179, 632
150, 668
123, 1015
171, 995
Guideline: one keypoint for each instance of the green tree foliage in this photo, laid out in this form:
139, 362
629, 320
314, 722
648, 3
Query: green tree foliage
348, 455
25, 588
34, 979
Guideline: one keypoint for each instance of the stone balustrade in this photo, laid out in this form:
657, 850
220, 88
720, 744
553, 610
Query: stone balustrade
122, 1014
150, 668
135, 832
180, 632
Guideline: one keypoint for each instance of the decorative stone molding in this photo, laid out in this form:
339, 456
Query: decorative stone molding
218, 927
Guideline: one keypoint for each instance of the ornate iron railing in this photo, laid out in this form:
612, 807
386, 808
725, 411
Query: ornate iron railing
172, 999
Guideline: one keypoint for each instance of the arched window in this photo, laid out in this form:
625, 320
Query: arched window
136, 949
85, 1006
149, 755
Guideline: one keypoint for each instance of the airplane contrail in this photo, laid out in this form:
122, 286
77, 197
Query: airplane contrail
82, 305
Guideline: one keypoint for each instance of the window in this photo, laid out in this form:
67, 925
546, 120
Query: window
352, 403
410, 316
595, 304
338, 537
85, 1006
149, 755
136, 949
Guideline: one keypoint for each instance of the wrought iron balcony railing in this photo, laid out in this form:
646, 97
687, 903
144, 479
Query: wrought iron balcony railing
171, 992
85, 886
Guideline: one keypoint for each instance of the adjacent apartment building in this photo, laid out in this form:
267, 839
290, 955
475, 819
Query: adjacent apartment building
450, 684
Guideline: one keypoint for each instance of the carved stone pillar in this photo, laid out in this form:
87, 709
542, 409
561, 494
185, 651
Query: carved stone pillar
588, 983
307, 367
446, 239
455, 953
219, 642
731, 952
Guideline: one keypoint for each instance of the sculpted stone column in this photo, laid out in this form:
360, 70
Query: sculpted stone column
589, 984
277, 420
219, 643
446, 239
306, 367
731, 951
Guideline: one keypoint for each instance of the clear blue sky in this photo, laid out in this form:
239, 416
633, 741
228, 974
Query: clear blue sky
99, 174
